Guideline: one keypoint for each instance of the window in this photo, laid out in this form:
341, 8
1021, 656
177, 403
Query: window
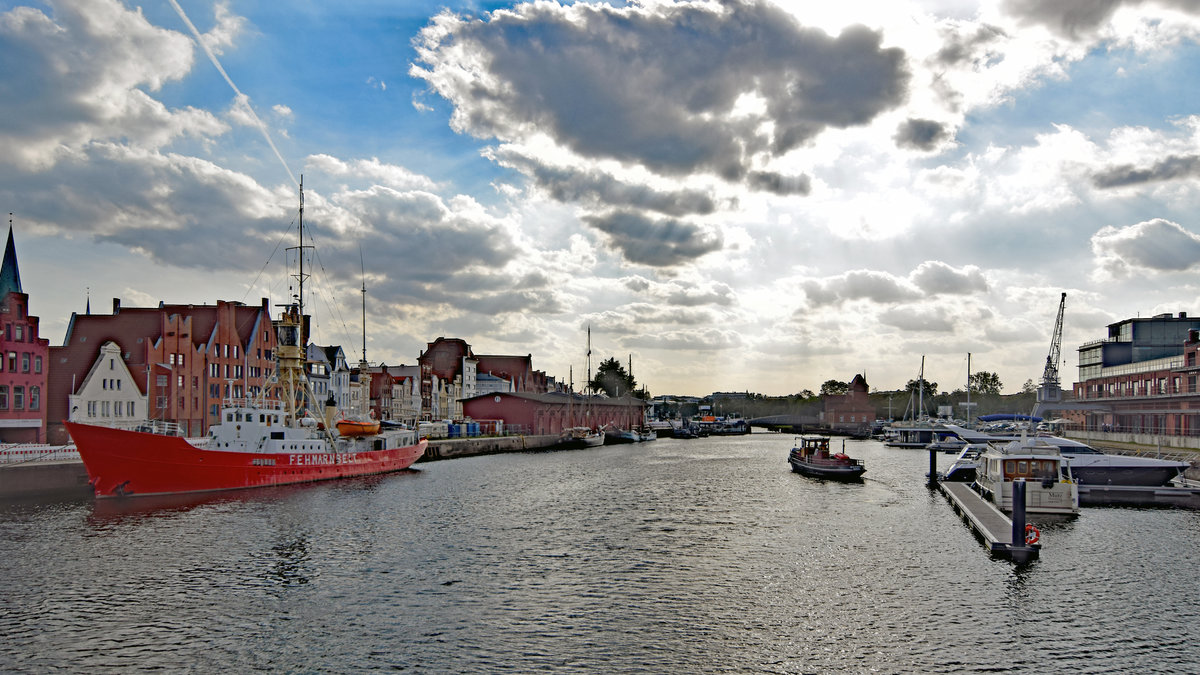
180, 380
3, 397
162, 382
37, 364
12, 362
106, 408
18, 398
118, 385
235, 351
132, 408
20, 333
35, 397
170, 359
180, 359
91, 408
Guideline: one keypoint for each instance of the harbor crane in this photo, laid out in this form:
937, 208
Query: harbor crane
1050, 390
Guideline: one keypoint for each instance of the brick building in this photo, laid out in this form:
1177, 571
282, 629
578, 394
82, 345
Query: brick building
541, 414
24, 359
852, 411
185, 359
1142, 379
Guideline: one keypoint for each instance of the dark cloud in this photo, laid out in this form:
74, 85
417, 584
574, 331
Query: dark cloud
658, 243
878, 287
967, 48
593, 186
1156, 245
918, 319
1079, 18
937, 278
920, 134
1170, 168
778, 183
431, 241
657, 86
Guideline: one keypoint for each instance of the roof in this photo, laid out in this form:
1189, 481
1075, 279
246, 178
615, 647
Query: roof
10, 275
561, 399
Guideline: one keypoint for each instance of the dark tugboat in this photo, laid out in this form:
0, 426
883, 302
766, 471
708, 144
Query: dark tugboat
812, 458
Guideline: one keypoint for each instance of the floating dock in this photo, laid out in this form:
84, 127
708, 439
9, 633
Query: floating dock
989, 522
1187, 497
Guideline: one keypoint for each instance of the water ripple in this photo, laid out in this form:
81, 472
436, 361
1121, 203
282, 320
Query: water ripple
703, 556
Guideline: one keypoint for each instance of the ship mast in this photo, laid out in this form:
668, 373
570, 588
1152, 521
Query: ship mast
364, 376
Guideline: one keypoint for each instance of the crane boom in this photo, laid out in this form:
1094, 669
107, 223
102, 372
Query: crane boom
1051, 391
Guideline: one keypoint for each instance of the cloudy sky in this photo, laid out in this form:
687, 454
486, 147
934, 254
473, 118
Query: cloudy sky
738, 196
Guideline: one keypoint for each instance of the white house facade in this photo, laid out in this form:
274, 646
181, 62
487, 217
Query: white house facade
109, 396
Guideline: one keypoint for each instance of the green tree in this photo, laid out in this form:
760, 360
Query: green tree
1029, 387
612, 379
834, 388
985, 382
914, 386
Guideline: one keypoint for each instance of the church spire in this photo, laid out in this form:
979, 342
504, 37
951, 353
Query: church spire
10, 276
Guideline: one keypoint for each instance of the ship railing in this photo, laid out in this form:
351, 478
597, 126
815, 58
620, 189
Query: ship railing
15, 453
263, 404
159, 427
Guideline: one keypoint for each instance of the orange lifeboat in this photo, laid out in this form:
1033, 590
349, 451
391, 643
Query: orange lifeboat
357, 427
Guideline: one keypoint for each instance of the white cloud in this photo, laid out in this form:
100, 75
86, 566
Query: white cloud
1150, 246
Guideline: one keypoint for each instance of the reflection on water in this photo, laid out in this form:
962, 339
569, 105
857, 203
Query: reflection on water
706, 555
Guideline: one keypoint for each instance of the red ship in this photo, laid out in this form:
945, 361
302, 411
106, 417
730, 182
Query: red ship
125, 463
256, 443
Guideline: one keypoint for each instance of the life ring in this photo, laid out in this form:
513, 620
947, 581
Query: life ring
1032, 534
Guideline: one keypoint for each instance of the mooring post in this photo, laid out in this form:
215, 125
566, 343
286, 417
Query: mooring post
1018, 513
932, 468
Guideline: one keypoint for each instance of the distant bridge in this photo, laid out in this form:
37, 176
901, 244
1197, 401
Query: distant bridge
790, 423
801, 424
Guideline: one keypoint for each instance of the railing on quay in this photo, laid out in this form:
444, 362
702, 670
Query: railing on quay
16, 453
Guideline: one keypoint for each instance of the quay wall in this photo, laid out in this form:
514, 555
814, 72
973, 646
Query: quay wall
469, 447
1119, 439
58, 477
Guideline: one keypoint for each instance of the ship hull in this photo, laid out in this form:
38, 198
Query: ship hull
125, 463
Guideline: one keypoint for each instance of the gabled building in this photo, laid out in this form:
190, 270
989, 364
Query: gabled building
109, 395
852, 411
518, 370
186, 359
448, 371
24, 359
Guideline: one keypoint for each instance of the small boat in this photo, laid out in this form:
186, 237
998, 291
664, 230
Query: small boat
349, 427
1049, 486
579, 437
917, 434
811, 457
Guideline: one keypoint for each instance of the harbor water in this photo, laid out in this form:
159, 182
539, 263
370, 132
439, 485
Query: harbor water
675, 556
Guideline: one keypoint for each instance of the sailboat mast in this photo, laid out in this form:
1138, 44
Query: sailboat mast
921, 396
968, 389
